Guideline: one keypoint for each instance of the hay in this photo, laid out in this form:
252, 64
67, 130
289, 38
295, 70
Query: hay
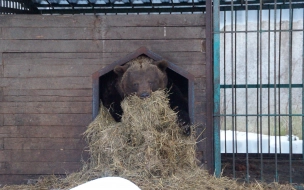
146, 147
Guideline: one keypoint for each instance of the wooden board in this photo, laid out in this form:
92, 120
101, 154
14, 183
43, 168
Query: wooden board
46, 68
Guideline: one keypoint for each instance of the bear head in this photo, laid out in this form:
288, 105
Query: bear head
141, 77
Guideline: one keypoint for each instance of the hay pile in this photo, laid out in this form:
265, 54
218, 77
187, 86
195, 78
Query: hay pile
147, 144
147, 147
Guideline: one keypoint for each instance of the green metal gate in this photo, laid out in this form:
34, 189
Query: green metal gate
258, 89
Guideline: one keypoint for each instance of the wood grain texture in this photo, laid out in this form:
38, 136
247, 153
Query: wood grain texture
47, 119
46, 67
42, 131
45, 107
104, 33
80, 21
106, 46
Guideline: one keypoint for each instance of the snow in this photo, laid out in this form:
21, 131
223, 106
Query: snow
269, 143
108, 183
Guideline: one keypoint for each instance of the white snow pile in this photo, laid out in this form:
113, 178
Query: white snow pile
258, 143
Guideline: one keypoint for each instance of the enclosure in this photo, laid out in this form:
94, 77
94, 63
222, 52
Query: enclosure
245, 57
260, 89
47, 66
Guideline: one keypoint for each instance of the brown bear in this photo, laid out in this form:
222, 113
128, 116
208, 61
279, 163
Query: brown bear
141, 77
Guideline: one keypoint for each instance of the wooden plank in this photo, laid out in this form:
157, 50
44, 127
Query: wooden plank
43, 131
37, 21
103, 59
49, 70
40, 155
47, 119
77, 70
107, 33
81, 21
45, 107
61, 56
109, 46
1, 94
62, 92
1, 143
16, 179
200, 95
35, 98
156, 20
1, 120
40, 168
200, 83
47, 83
61, 144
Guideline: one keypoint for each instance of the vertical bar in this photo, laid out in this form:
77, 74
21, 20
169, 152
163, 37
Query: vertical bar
303, 88
290, 90
232, 91
225, 118
268, 107
246, 90
257, 80
261, 93
275, 91
235, 73
216, 79
212, 145
279, 103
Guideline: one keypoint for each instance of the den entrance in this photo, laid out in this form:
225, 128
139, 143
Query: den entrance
177, 77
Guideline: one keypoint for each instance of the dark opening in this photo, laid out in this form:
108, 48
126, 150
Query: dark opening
178, 94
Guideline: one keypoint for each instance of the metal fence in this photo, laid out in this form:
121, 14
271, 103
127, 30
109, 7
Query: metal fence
258, 90
100, 7
17, 7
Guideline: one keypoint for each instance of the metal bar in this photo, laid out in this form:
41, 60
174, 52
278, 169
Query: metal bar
235, 77
262, 86
268, 95
212, 161
303, 88
232, 91
225, 103
216, 87
246, 91
261, 92
260, 115
261, 31
257, 80
279, 96
275, 95
290, 91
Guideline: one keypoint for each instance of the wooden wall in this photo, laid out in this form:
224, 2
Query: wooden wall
46, 67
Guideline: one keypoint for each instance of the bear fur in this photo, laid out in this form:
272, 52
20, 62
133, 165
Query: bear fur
141, 77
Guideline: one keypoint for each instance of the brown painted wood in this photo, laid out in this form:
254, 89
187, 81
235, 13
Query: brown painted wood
103, 59
41, 155
34, 98
46, 92
40, 168
45, 107
47, 83
46, 67
98, 21
103, 33
59, 46
43, 131
47, 119
42, 143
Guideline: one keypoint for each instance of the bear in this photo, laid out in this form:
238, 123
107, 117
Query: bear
141, 77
